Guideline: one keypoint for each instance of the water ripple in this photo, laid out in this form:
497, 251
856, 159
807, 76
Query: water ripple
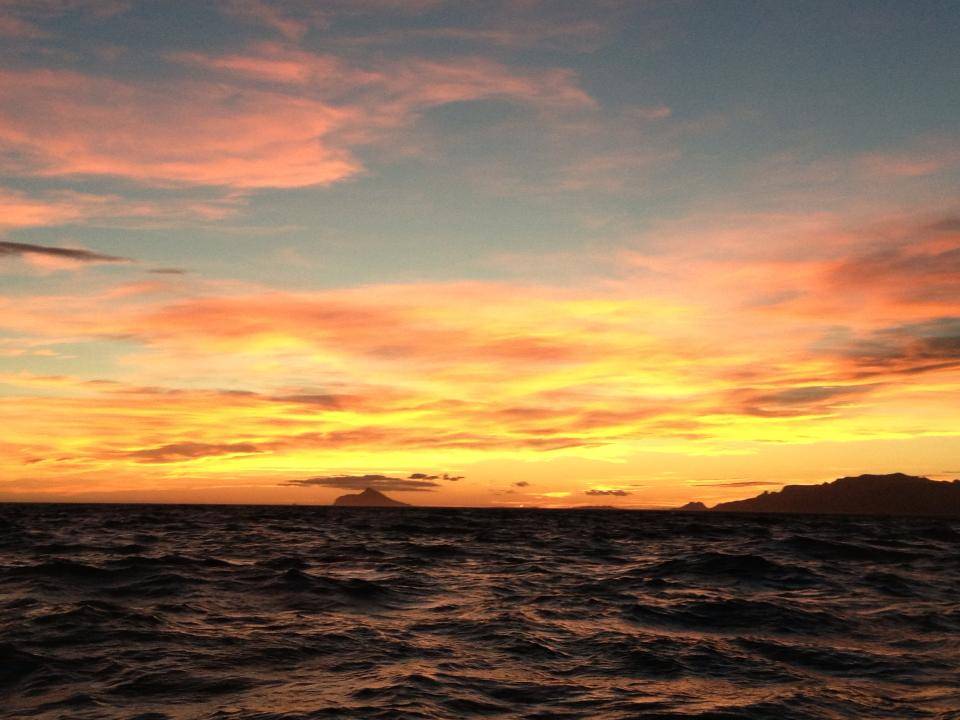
296, 613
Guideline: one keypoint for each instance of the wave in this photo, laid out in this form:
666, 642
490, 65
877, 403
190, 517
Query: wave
274, 613
745, 568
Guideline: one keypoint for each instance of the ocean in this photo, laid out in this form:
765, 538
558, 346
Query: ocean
288, 613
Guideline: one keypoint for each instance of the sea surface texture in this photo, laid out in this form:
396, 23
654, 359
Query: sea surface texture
282, 613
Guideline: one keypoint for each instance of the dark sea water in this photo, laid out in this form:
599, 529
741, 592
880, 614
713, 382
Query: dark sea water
274, 613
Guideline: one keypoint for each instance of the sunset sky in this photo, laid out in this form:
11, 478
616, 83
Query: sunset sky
619, 253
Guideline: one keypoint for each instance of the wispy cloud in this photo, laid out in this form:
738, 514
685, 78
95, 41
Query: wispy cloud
361, 482
292, 19
23, 210
908, 348
178, 452
245, 134
736, 483
470, 369
25, 19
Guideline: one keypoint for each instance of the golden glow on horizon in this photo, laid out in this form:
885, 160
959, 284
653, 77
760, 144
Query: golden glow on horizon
441, 376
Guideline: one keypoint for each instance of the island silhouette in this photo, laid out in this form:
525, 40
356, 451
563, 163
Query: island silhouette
368, 498
893, 494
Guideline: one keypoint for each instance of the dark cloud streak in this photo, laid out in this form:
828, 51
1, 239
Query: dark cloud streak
179, 452
17, 249
738, 483
361, 482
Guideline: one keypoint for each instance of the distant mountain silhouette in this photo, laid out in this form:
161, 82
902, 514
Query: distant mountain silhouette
368, 498
895, 494
693, 507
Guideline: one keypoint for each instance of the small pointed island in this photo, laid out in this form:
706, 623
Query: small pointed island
693, 507
368, 498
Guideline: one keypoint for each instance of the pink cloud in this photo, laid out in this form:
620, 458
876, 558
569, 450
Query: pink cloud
926, 157
260, 12
22, 19
243, 134
20, 210
14, 27
403, 86
72, 124
292, 19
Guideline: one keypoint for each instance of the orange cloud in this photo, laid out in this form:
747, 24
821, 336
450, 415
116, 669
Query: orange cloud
562, 370
810, 267
917, 265
688, 351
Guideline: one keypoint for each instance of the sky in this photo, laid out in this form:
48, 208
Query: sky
504, 252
